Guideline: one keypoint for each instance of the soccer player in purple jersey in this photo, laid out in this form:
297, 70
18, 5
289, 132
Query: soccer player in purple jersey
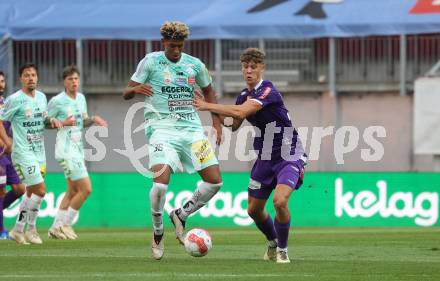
281, 158
8, 175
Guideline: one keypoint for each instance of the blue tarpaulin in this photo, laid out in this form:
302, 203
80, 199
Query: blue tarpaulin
141, 19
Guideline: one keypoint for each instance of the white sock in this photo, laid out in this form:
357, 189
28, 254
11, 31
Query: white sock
60, 218
70, 215
22, 214
281, 249
203, 193
34, 207
157, 203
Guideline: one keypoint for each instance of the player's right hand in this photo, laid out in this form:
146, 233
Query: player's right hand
55, 123
143, 89
70, 121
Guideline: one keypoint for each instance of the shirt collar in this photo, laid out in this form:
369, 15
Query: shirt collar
258, 85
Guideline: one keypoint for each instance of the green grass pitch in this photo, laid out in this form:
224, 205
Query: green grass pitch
316, 254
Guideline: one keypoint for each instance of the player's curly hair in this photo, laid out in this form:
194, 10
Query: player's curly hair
252, 55
174, 30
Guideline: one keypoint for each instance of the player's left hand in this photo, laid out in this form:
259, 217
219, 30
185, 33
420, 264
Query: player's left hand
199, 101
99, 121
56, 124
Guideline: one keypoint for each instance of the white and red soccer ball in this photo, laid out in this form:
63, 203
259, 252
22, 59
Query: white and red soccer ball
198, 242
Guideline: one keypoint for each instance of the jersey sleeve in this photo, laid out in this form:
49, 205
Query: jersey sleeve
240, 99
142, 71
52, 108
203, 79
9, 109
266, 96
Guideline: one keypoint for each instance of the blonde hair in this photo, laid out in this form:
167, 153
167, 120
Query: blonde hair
174, 30
252, 55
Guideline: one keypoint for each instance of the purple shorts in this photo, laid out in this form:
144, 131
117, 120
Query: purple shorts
266, 174
7, 170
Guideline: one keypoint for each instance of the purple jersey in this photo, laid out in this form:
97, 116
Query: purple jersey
274, 120
5, 159
6, 124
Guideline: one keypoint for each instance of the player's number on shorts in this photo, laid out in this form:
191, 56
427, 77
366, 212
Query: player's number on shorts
31, 170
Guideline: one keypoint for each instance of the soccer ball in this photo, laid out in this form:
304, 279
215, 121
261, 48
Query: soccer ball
198, 242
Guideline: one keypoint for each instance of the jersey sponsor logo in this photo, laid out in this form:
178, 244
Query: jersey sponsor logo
202, 151
191, 80
39, 114
171, 90
179, 102
191, 116
265, 93
181, 81
31, 124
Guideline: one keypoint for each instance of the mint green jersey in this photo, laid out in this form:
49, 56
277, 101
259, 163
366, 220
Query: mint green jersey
69, 142
27, 116
173, 84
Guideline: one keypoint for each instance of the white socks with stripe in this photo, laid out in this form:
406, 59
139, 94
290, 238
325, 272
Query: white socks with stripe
203, 193
33, 208
157, 202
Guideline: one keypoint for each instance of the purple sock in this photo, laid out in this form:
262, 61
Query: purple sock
267, 228
10, 198
1, 215
282, 230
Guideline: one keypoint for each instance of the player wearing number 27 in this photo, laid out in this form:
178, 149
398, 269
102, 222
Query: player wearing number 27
167, 79
26, 110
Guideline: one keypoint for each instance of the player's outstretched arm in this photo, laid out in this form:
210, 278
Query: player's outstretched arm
97, 120
235, 111
134, 88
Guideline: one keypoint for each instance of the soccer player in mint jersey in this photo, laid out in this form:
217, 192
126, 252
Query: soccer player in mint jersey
281, 158
168, 79
70, 107
26, 110
8, 175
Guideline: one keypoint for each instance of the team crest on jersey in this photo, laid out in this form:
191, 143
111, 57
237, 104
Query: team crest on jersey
167, 77
28, 112
191, 80
181, 81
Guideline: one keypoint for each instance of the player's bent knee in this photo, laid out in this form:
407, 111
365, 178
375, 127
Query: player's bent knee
86, 192
19, 189
280, 203
257, 215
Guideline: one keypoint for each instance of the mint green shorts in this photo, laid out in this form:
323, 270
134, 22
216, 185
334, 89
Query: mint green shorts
31, 172
181, 150
74, 168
